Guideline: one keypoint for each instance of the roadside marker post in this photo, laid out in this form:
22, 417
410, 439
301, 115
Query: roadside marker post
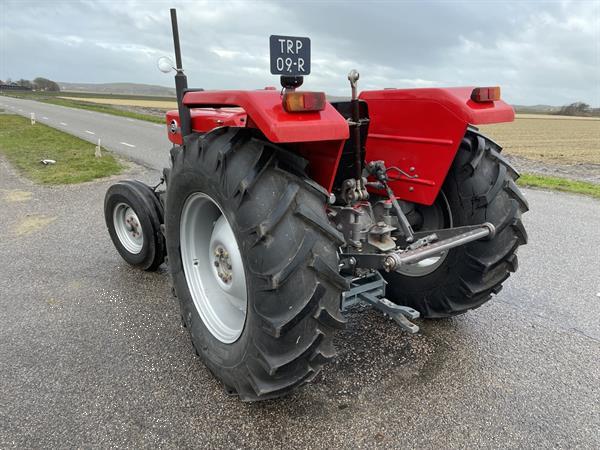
32, 118
98, 153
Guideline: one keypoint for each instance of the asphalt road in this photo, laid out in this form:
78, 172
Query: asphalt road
144, 142
92, 352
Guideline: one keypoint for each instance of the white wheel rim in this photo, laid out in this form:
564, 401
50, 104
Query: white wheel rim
128, 228
213, 267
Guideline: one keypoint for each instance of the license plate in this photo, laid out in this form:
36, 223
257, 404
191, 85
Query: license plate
290, 55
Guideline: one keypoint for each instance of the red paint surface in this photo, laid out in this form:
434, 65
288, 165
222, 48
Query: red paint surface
206, 119
417, 130
318, 136
323, 160
420, 130
266, 111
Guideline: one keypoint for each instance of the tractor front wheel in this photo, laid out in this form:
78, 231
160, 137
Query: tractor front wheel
480, 187
133, 216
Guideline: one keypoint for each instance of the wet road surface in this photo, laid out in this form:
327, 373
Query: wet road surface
92, 352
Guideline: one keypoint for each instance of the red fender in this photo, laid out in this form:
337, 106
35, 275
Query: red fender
266, 111
420, 130
318, 136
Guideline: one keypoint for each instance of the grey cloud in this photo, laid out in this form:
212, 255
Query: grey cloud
539, 52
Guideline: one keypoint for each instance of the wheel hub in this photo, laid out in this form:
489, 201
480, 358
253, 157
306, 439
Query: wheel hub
128, 228
213, 267
223, 264
132, 223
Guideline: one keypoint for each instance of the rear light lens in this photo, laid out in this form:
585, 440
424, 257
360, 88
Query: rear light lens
485, 94
303, 101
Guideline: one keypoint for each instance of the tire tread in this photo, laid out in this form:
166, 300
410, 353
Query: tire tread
483, 184
292, 330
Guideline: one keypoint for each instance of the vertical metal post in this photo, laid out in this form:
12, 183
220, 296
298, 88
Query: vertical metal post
358, 162
185, 121
178, 64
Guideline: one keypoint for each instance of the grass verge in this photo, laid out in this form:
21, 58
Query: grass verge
46, 97
24, 145
559, 184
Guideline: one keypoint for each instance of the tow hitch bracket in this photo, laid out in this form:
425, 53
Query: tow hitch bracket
371, 291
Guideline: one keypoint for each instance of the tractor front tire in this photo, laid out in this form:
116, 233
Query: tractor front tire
480, 187
133, 216
253, 262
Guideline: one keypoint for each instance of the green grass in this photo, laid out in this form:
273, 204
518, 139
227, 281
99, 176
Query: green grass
560, 184
24, 145
53, 98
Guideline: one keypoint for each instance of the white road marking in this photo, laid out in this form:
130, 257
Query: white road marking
63, 124
89, 132
128, 145
45, 118
157, 125
129, 120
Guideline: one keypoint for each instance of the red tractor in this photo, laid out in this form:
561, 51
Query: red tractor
282, 209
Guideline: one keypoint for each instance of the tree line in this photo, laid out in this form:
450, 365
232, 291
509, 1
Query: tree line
38, 84
578, 109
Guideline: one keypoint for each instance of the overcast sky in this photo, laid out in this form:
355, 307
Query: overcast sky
539, 52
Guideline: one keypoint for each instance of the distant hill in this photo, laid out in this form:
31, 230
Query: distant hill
119, 88
152, 90
536, 109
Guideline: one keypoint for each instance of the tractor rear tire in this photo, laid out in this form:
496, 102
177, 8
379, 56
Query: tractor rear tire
480, 187
280, 242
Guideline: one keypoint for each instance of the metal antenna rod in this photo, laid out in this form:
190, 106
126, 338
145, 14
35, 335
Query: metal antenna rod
185, 120
176, 39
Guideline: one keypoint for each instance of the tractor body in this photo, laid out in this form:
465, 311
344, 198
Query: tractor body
282, 210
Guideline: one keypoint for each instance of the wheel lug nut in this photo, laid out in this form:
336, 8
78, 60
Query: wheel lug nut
216, 263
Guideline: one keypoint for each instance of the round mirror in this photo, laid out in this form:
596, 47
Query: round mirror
165, 64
